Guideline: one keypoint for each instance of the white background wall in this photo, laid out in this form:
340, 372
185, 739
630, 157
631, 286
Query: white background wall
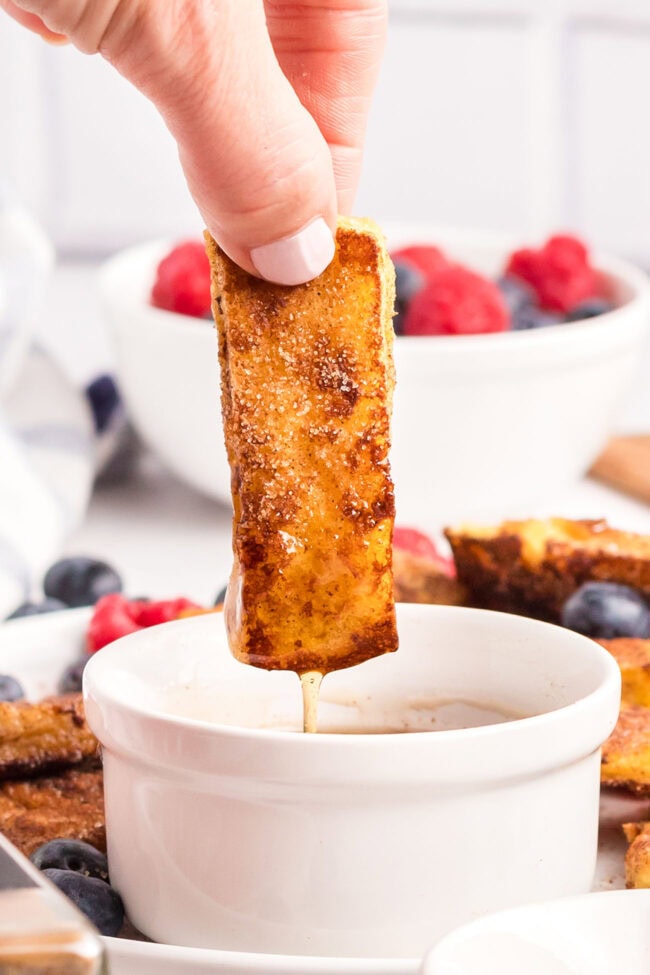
522, 115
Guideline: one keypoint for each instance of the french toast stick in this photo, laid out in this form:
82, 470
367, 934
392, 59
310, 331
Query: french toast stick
531, 567
633, 658
637, 858
65, 806
40, 737
307, 382
626, 753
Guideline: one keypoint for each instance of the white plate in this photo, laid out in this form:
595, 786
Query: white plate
590, 935
37, 649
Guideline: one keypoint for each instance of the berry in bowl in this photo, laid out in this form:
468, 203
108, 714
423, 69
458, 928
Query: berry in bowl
550, 285
512, 364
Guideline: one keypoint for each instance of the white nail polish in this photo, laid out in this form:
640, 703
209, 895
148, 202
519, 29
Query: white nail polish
296, 259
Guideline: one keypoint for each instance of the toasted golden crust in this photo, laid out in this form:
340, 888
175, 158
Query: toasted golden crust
626, 753
637, 858
418, 580
632, 830
532, 567
307, 383
633, 659
37, 738
67, 806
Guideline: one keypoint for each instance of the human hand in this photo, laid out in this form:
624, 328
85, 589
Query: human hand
267, 100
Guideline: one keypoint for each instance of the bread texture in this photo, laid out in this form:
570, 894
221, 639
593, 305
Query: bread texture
633, 658
65, 806
637, 858
531, 567
307, 383
44, 736
626, 753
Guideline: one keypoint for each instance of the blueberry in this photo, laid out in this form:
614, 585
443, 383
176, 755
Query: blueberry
47, 605
95, 898
104, 400
10, 689
71, 678
516, 293
220, 597
606, 610
529, 317
81, 581
589, 309
398, 323
71, 855
408, 281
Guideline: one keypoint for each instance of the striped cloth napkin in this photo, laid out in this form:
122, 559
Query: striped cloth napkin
53, 439
57, 427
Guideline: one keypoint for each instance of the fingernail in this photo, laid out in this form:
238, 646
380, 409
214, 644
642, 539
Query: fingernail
296, 259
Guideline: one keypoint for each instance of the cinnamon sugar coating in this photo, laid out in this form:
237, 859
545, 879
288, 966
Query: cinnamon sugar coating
307, 383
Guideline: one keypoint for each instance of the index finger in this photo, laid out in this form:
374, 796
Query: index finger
331, 50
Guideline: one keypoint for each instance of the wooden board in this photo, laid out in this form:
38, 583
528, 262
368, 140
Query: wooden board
625, 466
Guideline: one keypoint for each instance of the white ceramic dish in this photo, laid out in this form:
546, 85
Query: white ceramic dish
599, 934
37, 650
481, 424
224, 831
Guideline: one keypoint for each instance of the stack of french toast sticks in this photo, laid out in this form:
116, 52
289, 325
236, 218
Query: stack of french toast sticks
531, 568
50, 774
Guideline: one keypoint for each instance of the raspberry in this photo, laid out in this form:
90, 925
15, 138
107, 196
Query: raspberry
457, 301
424, 257
183, 281
417, 543
112, 618
559, 272
115, 616
414, 541
163, 611
563, 250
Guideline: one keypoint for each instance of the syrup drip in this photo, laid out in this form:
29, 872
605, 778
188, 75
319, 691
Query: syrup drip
310, 683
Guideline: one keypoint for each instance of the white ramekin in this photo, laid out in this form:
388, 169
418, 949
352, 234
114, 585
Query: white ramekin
347, 844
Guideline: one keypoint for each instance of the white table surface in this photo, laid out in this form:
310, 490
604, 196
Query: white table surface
168, 540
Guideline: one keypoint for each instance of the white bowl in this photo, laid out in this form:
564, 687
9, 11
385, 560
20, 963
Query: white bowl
482, 424
168, 371
225, 831
597, 934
